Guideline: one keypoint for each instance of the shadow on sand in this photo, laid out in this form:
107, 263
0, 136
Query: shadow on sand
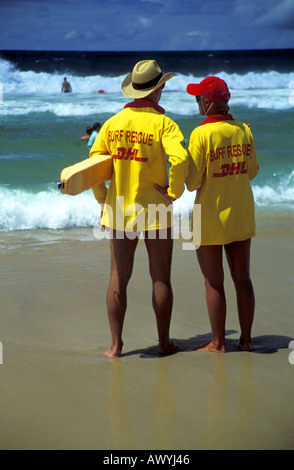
267, 344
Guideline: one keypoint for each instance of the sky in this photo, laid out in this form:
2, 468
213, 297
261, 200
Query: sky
141, 25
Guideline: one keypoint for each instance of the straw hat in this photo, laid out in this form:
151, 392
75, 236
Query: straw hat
145, 78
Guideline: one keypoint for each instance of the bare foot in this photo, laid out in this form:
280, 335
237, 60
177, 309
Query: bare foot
211, 347
114, 352
243, 346
171, 348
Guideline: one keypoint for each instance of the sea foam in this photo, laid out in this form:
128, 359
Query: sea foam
49, 209
252, 89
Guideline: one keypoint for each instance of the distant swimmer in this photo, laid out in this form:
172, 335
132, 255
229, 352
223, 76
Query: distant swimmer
88, 133
96, 128
66, 86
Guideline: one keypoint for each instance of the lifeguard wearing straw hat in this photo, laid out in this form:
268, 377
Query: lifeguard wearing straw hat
145, 78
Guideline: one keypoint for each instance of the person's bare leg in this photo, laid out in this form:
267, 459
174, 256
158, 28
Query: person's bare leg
160, 258
122, 260
210, 262
238, 256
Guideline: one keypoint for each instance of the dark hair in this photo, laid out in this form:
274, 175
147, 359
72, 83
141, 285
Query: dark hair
89, 130
221, 108
96, 126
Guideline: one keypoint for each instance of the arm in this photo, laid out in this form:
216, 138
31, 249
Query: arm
253, 165
99, 148
174, 146
197, 163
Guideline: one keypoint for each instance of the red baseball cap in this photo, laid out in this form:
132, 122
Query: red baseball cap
212, 88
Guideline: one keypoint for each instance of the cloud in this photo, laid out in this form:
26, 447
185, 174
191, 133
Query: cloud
158, 2
196, 33
146, 24
144, 21
272, 14
71, 35
280, 15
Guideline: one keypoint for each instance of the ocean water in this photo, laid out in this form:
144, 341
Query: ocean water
40, 127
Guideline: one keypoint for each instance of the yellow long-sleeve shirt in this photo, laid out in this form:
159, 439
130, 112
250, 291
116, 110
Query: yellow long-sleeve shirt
139, 138
222, 163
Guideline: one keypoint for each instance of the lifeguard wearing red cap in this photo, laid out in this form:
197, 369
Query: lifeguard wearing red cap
212, 88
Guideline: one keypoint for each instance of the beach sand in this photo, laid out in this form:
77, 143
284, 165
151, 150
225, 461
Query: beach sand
58, 390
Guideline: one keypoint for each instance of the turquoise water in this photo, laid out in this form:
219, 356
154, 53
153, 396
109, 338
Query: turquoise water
40, 128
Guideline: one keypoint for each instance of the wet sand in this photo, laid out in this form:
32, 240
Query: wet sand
58, 391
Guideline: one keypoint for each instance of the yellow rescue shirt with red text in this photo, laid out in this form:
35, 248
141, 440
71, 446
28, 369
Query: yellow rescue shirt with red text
222, 163
139, 138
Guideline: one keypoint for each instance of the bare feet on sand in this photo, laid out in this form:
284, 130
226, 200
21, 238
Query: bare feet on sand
114, 351
171, 348
212, 347
243, 346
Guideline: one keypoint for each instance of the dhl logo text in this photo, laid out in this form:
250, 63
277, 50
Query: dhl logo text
129, 154
228, 169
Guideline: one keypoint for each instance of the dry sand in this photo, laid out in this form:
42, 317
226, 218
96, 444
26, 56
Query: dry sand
58, 391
